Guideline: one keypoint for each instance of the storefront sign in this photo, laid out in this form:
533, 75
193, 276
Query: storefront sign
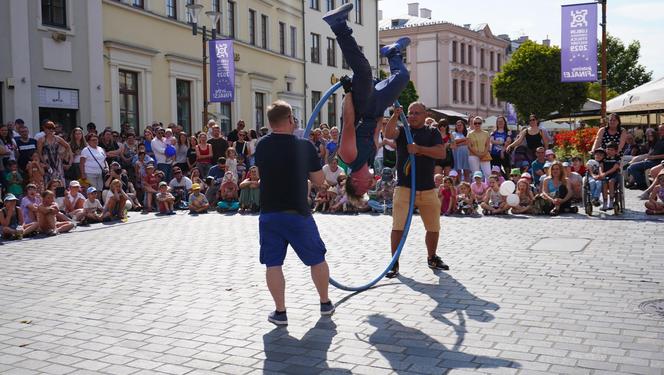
222, 71
50, 97
579, 43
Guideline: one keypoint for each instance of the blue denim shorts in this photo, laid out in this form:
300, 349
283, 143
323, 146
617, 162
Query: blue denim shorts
277, 230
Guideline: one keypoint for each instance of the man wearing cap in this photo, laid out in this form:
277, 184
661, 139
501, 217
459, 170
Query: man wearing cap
74, 201
180, 186
198, 203
286, 163
159, 148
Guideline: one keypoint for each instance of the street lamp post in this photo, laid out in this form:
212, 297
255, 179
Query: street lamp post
194, 10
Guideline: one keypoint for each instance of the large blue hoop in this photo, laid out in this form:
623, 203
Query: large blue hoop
404, 236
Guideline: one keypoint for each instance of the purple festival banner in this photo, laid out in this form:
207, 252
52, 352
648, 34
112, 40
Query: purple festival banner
222, 70
579, 43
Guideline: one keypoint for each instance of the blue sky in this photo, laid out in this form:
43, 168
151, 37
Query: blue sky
641, 20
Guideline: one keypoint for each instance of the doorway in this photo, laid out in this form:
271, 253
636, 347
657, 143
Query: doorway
66, 117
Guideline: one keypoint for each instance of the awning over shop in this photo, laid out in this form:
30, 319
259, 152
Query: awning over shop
648, 97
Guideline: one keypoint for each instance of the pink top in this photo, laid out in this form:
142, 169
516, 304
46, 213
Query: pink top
446, 195
478, 189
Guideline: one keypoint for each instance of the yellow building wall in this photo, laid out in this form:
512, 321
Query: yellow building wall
148, 37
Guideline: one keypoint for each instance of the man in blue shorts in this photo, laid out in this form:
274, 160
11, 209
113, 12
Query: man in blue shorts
370, 99
286, 163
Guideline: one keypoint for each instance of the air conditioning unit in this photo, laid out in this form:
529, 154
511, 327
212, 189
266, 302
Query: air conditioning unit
58, 36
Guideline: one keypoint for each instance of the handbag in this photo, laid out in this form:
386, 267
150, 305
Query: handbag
104, 171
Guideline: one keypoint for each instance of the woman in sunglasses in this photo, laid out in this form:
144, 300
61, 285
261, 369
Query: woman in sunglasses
533, 135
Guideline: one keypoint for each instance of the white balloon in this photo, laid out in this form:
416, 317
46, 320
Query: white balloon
513, 200
507, 188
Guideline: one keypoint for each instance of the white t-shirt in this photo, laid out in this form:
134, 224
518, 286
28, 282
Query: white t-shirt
159, 149
90, 154
185, 182
89, 205
331, 177
75, 199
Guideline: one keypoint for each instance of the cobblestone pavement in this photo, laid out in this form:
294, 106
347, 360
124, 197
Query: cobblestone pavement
186, 294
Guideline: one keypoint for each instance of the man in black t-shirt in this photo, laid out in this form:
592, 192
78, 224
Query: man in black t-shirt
218, 143
26, 146
233, 136
285, 163
427, 147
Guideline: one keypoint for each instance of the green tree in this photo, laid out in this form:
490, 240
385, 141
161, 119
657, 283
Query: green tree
595, 92
531, 81
623, 69
408, 95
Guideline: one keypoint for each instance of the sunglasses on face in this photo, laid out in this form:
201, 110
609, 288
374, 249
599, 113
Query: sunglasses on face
477, 123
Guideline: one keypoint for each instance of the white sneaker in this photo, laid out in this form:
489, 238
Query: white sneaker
603, 208
610, 207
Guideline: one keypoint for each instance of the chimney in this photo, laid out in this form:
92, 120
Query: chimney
380, 15
425, 13
547, 41
466, 25
413, 9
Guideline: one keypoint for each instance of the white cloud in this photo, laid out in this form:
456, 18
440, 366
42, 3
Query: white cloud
639, 11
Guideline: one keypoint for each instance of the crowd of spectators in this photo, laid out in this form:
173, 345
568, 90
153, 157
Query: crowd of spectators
52, 181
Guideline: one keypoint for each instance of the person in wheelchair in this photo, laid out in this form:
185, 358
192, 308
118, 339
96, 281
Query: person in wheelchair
610, 175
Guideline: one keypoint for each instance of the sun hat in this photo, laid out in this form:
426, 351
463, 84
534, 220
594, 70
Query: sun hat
526, 175
549, 152
515, 171
10, 197
74, 183
196, 186
163, 183
495, 168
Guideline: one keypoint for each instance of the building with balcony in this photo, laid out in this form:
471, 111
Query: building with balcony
452, 66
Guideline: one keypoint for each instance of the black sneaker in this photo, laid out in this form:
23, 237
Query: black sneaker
326, 308
394, 272
437, 264
278, 318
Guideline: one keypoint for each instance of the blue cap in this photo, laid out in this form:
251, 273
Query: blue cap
92, 189
478, 174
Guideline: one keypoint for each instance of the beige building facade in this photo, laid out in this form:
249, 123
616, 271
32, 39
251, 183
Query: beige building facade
153, 64
324, 60
452, 66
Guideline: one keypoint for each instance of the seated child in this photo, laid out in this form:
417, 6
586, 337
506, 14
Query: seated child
594, 180
46, 216
478, 187
465, 200
447, 195
116, 200
609, 172
575, 181
11, 220
438, 180
653, 207
321, 202
250, 191
364, 108
165, 200
92, 208
526, 198
382, 203
198, 203
515, 175
494, 202
495, 171
14, 179
150, 185
228, 194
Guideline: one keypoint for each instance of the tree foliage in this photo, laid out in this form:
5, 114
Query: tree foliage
531, 81
623, 69
408, 95
595, 92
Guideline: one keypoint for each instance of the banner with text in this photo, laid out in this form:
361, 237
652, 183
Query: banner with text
222, 71
579, 43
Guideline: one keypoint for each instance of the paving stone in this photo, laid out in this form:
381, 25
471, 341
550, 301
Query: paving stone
153, 306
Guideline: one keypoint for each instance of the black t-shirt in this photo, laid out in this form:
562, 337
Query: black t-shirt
284, 163
219, 147
424, 136
25, 151
658, 148
233, 136
109, 147
609, 163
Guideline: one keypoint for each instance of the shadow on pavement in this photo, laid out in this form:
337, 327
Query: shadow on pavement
285, 354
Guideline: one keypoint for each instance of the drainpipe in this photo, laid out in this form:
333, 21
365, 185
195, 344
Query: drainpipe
437, 74
304, 64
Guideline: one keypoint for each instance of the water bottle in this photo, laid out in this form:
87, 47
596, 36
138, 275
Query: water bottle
19, 232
